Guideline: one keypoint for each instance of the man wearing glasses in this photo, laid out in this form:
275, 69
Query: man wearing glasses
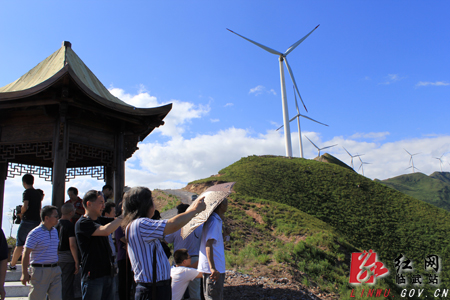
42, 243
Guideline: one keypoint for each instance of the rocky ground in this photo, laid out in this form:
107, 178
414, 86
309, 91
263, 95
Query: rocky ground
242, 286
260, 285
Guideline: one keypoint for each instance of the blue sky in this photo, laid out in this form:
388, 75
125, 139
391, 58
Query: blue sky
376, 71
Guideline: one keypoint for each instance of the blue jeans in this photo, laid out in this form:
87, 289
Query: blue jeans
24, 228
97, 289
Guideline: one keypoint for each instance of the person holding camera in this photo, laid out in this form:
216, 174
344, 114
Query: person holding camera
29, 215
92, 231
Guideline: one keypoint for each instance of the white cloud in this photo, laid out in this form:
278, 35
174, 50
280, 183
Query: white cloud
228, 104
214, 120
176, 121
437, 83
391, 78
258, 90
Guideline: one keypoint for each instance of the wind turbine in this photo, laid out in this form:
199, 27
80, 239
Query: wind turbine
318, 147
440, 160
298, 123
352, 156
283, 57
411, 161
362, 165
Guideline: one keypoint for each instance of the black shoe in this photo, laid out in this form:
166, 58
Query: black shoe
11, 268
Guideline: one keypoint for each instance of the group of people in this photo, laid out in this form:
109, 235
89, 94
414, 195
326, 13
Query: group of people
81, 242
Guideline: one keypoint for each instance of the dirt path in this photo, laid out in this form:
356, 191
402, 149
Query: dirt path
182, 195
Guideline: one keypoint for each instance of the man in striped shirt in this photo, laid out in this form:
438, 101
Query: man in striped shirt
42, 243
144, 248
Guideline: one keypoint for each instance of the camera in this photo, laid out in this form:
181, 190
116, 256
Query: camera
16, 211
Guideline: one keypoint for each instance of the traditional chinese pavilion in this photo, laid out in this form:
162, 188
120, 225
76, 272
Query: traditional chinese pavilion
58, 121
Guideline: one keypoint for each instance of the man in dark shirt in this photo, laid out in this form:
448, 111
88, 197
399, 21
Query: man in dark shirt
30, 215
67, 251
92, 231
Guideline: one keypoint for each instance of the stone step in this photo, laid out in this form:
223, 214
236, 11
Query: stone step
14, 275
16, 289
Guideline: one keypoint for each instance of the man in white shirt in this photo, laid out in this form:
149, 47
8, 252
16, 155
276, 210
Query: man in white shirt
212, 254
182, 273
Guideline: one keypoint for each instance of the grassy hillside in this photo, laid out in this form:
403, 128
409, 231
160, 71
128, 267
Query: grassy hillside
275, 240
433, 189
368, 214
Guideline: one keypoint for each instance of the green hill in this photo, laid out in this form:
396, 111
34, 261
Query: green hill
368, 214
433, 189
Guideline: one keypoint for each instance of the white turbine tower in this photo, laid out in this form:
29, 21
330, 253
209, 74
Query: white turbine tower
411, 161
362, 165
440, 160
352, 156
282, 57
318, 149
298, 123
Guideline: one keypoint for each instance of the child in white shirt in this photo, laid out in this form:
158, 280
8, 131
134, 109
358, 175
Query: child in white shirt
182, 273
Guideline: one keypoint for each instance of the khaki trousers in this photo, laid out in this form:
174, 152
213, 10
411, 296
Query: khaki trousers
45, 281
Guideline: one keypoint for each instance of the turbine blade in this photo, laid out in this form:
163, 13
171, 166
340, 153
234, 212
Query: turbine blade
328, 147
291, 48
293, 80
289, 122
312, 143
294, 118
312, 120
406, 151
348, 152
258, 44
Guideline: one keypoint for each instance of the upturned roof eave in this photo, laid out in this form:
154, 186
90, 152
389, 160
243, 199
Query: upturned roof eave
130, 110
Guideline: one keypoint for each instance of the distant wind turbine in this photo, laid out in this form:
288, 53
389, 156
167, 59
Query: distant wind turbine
318, 149
352, 156
298, 123
283, 57
440, 160
411, 161
361, 167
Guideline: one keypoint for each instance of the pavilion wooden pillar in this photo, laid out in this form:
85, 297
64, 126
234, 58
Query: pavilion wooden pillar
109, 175
119, 174
3, 174
60, 151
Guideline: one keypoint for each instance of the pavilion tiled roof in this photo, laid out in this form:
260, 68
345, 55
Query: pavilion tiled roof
63, 61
